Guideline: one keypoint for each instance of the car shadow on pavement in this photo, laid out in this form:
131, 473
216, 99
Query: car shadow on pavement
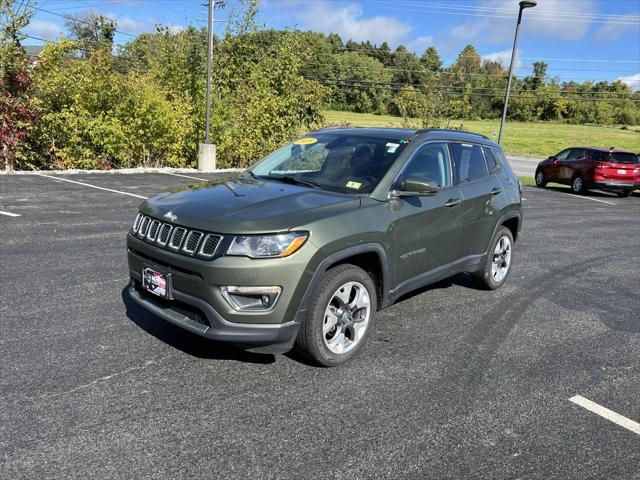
185, 341
460, 279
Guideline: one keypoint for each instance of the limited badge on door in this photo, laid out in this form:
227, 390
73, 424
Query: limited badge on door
155, 282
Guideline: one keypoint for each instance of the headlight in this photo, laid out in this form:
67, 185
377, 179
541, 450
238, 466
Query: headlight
267, 246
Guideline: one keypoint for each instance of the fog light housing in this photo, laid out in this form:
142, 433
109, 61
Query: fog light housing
251, 299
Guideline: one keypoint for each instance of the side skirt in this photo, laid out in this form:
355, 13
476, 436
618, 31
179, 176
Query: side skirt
470, 263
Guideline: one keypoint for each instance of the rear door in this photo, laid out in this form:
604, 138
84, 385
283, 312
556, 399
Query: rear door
427, 228
480, 191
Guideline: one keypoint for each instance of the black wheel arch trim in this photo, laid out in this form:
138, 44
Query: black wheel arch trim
339, 256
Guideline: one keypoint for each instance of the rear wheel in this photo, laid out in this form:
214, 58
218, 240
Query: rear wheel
340, 316
498, 264
624, 193
577, 185
541, 180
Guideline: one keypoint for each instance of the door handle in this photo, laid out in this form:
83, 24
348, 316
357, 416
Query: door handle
453, 202
496, 191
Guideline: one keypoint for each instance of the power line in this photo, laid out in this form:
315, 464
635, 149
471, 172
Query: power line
78, 20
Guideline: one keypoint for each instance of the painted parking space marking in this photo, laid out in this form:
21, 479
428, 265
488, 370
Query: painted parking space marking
91, 186
9, 214
187, 176
574, 196
606, 413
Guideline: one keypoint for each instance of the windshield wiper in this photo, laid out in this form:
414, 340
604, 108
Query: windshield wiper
292, 180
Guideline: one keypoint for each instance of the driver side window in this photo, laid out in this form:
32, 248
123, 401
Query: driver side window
563, 154
430, 162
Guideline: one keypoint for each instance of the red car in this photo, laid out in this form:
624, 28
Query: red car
592, 167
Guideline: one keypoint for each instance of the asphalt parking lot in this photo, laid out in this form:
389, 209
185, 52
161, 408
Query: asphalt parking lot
455, 382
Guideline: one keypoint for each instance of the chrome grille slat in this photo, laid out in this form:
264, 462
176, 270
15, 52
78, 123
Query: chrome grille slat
153, 230
142, 231
177, 239
209, 245
192, 240
163, 234
136, 222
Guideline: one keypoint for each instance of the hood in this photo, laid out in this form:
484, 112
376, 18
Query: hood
242, 204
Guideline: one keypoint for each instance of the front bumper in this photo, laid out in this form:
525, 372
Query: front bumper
262, 338
199, 306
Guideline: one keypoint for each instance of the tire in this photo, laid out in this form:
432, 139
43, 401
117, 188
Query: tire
319, 336
541, 181
577, 185
624, 193
487, 276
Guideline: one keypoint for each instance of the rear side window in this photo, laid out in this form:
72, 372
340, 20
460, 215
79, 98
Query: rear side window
492, 157
468, 162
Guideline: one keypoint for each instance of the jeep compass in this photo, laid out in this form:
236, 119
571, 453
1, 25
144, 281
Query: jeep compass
302, 249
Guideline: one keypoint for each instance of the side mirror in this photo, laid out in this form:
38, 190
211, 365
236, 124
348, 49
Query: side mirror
415, 186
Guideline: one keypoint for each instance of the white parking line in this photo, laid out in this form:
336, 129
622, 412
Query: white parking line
186, 176
578, 197
606, 413
9, 214
92, 186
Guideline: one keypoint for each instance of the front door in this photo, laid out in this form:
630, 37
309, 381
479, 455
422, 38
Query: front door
427, 228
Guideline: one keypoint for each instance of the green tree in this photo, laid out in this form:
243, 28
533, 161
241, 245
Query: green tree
16, 113
431, 59
93, 30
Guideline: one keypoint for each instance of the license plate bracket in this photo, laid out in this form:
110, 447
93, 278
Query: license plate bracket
157, 281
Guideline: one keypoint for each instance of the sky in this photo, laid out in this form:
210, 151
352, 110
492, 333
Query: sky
579, 39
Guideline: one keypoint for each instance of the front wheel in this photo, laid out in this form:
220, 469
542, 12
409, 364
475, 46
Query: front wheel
498, 264
577, 185
340, 316
541, 180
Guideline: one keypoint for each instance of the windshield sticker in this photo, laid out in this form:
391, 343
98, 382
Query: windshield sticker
354, 185
306, 141
392, 147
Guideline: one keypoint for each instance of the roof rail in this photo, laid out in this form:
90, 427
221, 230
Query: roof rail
452, 130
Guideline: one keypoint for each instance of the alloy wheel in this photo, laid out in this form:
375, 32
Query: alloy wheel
346, 317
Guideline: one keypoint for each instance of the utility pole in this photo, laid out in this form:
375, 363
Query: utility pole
523, 4
207, 150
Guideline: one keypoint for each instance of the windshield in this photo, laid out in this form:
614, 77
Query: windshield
619, 157
333, 161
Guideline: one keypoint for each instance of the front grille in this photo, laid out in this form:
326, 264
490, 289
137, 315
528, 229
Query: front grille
178, 239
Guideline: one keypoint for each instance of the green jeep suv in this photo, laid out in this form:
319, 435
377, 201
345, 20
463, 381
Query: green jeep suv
303, 248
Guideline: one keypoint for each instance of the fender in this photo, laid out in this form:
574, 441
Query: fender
376, 248
504, 218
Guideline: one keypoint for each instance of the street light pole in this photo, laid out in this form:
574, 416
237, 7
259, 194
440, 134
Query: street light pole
523, 4
207, 150
209, 54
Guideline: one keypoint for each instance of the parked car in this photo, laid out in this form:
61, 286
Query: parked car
304, 247
584, 168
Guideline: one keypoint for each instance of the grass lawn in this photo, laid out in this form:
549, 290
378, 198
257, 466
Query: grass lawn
539, 139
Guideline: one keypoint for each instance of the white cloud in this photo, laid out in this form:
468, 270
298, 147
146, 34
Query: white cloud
348, 21
550, 18
420, 44
133, 26
611, 30
503, 57
632, 80
44, 30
